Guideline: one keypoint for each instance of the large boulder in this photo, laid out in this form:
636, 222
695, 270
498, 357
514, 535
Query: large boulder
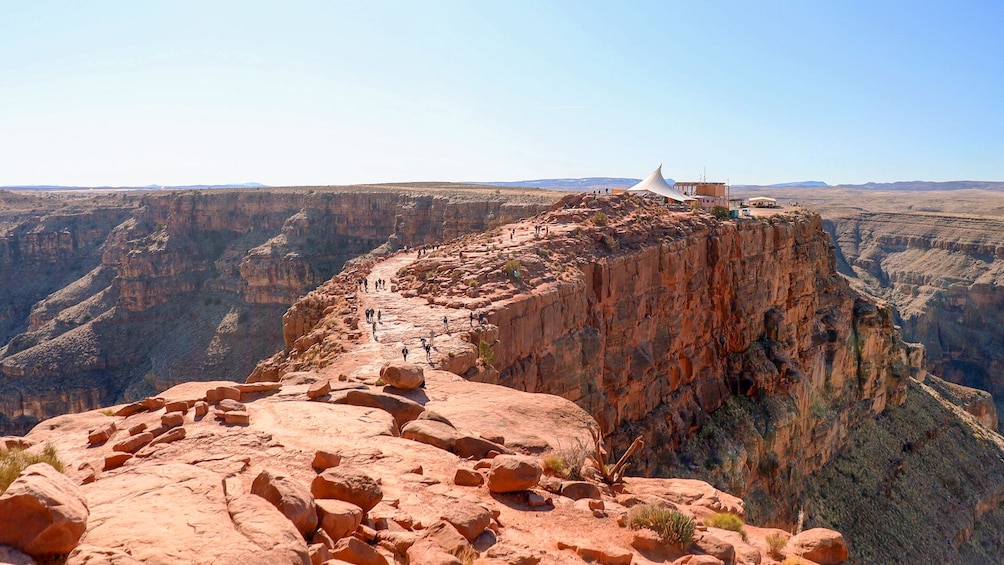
823, 546
338, 518
513, 473
468, 518
402, 409
348, 485
43, 512
405, 376
263, 525
436, 434
358, 552
293, 500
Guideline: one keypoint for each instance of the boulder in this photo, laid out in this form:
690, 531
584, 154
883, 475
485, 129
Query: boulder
354, 550
230, 405
264, 526
426, 551
406, 376
43, 512
133, 443
513, 473
137, 429
237, 418
172, 419
468, 518
201, 409
116, 460
823, 546
444, 536
153, 403
325, 460
468, 478
101, 434
289, 497
348, 485
318, 389
715, 546
698, 560
402, 409
172, 435
176, 406
469, 446
338, 518
577, 490
436, 434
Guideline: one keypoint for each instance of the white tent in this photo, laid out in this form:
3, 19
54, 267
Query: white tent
656, 185
762, 200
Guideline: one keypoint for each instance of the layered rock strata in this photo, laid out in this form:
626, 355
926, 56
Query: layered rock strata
653, 320
147, 291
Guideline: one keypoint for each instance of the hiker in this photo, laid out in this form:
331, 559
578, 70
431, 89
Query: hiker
446, 324
481, 318
472, 319
404, 353
366, 285
380, 316
428, 352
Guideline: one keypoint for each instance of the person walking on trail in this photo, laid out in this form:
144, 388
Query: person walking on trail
404, 353
446, 324
380, 316
472, 319
428, 352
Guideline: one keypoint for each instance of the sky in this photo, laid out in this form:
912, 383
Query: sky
134, 93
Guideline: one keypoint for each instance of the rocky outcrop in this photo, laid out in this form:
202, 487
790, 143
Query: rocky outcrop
208, 273
944, 275
734, 349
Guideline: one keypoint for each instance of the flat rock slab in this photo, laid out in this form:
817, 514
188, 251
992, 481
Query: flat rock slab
166, 514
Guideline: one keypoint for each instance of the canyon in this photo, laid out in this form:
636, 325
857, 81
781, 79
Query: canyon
735, 350
115, 297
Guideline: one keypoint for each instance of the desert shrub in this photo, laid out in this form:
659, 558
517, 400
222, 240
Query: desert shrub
473, 283
610, 241
107, 411
565, 463
727, 521
486, 354
720, 212
775, 543
600, 219
13, 461
674, 528
512, 268
466, 554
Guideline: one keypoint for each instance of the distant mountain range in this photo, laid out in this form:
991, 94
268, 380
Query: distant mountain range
147, 187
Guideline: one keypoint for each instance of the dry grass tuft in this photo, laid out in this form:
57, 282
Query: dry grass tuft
674, 528
13, 461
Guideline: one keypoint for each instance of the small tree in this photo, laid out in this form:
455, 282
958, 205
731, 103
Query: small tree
720, 212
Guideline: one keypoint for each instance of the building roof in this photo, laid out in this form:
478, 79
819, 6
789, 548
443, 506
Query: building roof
656, 184
762, 199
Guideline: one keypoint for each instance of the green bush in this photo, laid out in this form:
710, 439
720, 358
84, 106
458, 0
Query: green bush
565, 463
486, 354
512, 267
13, 461
775, 543
600, 219
720, 212
727, 521
674, 528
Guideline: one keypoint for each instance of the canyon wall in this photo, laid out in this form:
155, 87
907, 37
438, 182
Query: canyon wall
656, 338
168, 287
734, 349
944, 275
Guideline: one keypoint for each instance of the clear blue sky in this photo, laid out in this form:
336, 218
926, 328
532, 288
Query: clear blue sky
142, 92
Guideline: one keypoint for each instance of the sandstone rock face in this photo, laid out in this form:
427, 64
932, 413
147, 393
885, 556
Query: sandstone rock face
944, 274
823, 546
217, 267
42, 512
405, 376
293, 500
346, 484
690, 312
513, 473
